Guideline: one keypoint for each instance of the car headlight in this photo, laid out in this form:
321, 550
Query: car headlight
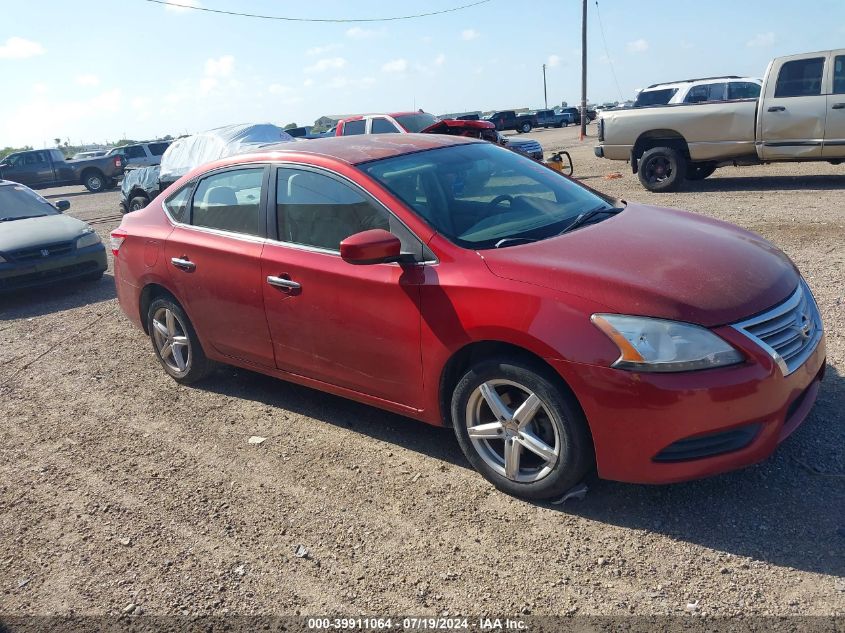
658, 345
89, 238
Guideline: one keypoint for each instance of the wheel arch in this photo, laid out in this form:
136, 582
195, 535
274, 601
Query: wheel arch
88, 171
481, 350
150, 293
658, 138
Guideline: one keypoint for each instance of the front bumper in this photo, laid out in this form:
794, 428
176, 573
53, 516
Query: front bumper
635, 418
80, 263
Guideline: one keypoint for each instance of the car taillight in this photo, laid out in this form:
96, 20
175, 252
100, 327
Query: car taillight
118, 162
117, 236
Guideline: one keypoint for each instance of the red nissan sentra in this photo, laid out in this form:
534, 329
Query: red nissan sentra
459, 283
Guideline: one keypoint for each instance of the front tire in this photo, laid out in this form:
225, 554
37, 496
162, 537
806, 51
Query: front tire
520, 430
661, 169
525, 127
137, 203
175, 342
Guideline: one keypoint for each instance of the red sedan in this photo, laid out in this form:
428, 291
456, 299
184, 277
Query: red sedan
458, 283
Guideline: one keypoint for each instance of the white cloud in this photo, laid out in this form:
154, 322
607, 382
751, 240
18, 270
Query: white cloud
329, 63
277, 89
440, 60
637, 46
395, 66
553, 61
357, 33
88, 80
40, 88
322, 50
308, 83
761, 40
20, 48
181, 6
469, 34
220, 67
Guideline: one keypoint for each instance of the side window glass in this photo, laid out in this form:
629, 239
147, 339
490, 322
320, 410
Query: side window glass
717, 92
230, 201
177, 204
157, 149
135, 151
353, 127
382, 126
839, 75
313, 209
743, 90
800, 78
697, 94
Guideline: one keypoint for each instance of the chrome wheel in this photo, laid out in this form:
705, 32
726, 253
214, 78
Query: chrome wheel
512, 430
171, 340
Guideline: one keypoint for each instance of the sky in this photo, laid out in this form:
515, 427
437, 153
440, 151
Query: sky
100, 70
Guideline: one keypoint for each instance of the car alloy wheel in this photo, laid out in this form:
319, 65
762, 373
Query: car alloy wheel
171, 340
511, 429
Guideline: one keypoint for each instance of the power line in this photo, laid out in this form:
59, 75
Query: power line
174, 3
607, 54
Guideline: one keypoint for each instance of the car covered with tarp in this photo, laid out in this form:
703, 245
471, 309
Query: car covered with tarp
140, 186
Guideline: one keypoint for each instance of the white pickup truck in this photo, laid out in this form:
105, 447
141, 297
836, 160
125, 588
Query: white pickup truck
800, 116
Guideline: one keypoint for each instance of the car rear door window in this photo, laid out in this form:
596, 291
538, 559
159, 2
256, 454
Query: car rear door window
743, 90
380, 125
839, 75
230, 201
706, 92
134, 151
157, 149
800, 78
351, 128
177, 204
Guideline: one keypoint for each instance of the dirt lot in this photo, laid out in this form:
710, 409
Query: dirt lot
119, 486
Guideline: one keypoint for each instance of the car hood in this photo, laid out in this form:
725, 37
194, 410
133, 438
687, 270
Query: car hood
34, 232
657, 262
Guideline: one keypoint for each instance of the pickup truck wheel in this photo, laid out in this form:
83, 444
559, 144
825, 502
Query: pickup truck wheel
700, 171
137, 203
94, 181
525, 127
661, 169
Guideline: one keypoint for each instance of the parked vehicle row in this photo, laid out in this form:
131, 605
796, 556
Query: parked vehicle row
375, 270
799, 116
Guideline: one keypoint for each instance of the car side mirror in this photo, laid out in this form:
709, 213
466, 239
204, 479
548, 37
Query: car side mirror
62, 205
375, 246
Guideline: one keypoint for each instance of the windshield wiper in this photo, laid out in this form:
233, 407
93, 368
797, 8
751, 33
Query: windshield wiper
510, 241
587, 216
23, 217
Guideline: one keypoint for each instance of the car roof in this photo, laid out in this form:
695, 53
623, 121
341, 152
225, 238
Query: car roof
697, 82
362, 148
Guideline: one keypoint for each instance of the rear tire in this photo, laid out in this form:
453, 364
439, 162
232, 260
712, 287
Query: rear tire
175, 342
535, 451
661, 169
525, 127
94, 181
700, 171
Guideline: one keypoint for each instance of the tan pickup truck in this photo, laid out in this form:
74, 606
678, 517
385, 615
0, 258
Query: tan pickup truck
800, 116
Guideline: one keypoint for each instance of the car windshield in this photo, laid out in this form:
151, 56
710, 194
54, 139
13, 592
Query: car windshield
481, 196
18, 202
416, 122
654, 97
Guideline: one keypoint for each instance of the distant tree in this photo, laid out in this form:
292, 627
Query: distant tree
124, 141
11, 150
58, 141
290, 126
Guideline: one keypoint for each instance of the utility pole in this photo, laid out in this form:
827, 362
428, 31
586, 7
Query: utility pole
584, 71
545, 92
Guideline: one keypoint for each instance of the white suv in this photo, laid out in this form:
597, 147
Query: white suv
727, 88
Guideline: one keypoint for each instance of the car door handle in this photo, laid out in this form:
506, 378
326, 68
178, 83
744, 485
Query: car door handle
184, 263
283, 282
777, 109
838, 106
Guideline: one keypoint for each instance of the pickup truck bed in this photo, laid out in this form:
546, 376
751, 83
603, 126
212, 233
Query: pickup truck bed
38, 169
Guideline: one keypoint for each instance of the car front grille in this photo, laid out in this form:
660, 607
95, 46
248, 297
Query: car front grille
789, 332
40, 252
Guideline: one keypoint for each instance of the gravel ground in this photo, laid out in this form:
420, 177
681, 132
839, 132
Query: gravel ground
119, 486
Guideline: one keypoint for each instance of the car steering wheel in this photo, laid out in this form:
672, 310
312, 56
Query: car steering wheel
500, 199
